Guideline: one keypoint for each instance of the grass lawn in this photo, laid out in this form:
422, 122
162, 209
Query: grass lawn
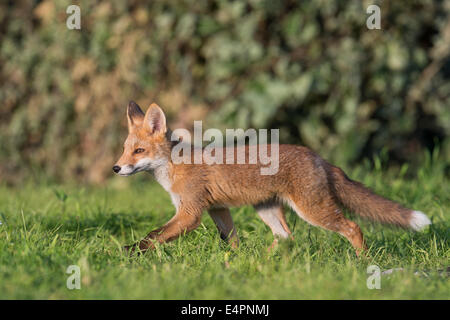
47, 228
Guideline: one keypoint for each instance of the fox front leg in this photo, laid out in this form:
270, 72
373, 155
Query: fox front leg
224, 222
183, 222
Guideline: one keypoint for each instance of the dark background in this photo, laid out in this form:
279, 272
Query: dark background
310, 68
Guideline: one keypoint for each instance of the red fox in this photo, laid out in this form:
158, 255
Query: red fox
316, 190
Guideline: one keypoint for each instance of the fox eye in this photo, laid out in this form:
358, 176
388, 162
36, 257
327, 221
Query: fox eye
139, 150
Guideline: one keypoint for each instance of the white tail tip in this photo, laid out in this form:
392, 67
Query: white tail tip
418, 220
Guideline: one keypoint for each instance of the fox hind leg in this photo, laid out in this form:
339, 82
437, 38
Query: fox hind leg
327, 214
273, 216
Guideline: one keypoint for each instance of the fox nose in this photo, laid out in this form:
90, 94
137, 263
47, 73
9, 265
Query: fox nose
116, 169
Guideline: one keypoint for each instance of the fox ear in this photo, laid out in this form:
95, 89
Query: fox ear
155, 120
135, 115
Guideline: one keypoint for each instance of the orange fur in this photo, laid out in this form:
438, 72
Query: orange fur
315, 189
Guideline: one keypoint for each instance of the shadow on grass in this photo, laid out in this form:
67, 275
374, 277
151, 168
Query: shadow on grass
114, 222
396, 242
400, 242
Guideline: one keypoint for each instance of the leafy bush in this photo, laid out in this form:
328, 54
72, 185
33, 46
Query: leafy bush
310, 68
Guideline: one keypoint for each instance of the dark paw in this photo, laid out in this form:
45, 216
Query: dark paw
133, 250
129, 250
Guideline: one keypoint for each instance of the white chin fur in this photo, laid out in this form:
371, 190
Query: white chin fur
127, 170
418, 220
142, 165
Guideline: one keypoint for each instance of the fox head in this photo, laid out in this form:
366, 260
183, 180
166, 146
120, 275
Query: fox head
146, 147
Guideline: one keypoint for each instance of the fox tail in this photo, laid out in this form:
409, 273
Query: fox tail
362, 201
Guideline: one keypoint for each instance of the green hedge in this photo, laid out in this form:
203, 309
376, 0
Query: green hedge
310, 68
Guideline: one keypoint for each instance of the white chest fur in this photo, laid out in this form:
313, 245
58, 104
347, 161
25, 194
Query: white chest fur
161, 174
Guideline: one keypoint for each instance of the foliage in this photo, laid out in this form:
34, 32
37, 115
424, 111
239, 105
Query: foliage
310, 68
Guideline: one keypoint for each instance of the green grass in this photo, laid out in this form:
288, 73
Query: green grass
46, 228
